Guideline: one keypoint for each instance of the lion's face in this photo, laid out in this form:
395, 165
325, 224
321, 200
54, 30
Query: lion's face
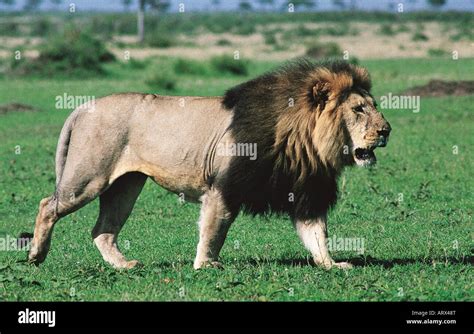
366, 127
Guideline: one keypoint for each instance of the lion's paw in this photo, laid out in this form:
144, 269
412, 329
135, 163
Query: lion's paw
343, 265
133, 264
128, 265
208, 264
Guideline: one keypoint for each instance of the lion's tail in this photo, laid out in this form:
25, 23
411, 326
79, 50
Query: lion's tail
63, 145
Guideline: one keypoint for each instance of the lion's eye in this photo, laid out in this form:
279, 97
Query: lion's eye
359, 109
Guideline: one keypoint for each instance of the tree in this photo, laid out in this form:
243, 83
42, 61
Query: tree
126, 4
31, 5
215, 3
141, 20
56, 3
353, 4
436, 3
391, 6
158, 5
308, 4
339, 4
265, 3
245, 6
7, 2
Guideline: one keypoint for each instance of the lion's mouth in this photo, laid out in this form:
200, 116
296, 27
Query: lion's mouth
364, 156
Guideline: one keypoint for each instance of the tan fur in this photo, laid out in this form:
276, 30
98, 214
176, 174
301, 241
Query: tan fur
109, 151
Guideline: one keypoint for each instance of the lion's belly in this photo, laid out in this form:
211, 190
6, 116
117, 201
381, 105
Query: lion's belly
187, 184
183, 179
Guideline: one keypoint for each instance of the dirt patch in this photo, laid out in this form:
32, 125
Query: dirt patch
18, 107
443, 88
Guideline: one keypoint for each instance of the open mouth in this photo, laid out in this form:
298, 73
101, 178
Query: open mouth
364, 156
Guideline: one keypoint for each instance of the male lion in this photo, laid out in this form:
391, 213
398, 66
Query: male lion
307, 121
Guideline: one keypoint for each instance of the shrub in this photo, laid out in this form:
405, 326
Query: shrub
244, 29
42, 27
73, 52
437, 53
270, 38
103, 26
342, 29
186, 66
125, 24
162, 79
76, 47
303, 31
223, 42
300, 31
419, 36
387, 29
281, 47
120, 44
216, 24
463, 31
323, 50
230, 65
403, 28
3, 67
138, 64
9, 28
160, 39
354, 60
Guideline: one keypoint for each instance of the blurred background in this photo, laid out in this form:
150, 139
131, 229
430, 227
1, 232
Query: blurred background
58, 37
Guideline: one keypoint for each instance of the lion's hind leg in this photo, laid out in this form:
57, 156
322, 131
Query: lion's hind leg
116, 204
70, 195
45, 220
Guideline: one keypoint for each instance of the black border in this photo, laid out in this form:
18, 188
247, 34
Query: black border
370, 315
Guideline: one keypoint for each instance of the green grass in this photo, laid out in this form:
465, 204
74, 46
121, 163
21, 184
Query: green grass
409, 252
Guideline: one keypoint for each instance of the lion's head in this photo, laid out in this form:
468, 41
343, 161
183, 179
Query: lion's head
308, 121
333, 122
364, 126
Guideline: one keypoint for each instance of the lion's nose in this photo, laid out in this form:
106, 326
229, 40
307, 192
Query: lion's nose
384, 132
383, 136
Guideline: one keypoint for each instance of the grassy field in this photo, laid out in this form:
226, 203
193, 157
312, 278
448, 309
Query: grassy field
414, 210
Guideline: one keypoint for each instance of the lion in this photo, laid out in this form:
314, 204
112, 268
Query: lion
306, 121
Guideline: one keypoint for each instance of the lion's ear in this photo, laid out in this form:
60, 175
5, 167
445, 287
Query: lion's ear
320, 94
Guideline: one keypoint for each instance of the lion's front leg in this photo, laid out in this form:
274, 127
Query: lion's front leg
313, 234
214, 224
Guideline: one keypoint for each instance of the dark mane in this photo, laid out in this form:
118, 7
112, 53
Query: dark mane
287, 165
295, 72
